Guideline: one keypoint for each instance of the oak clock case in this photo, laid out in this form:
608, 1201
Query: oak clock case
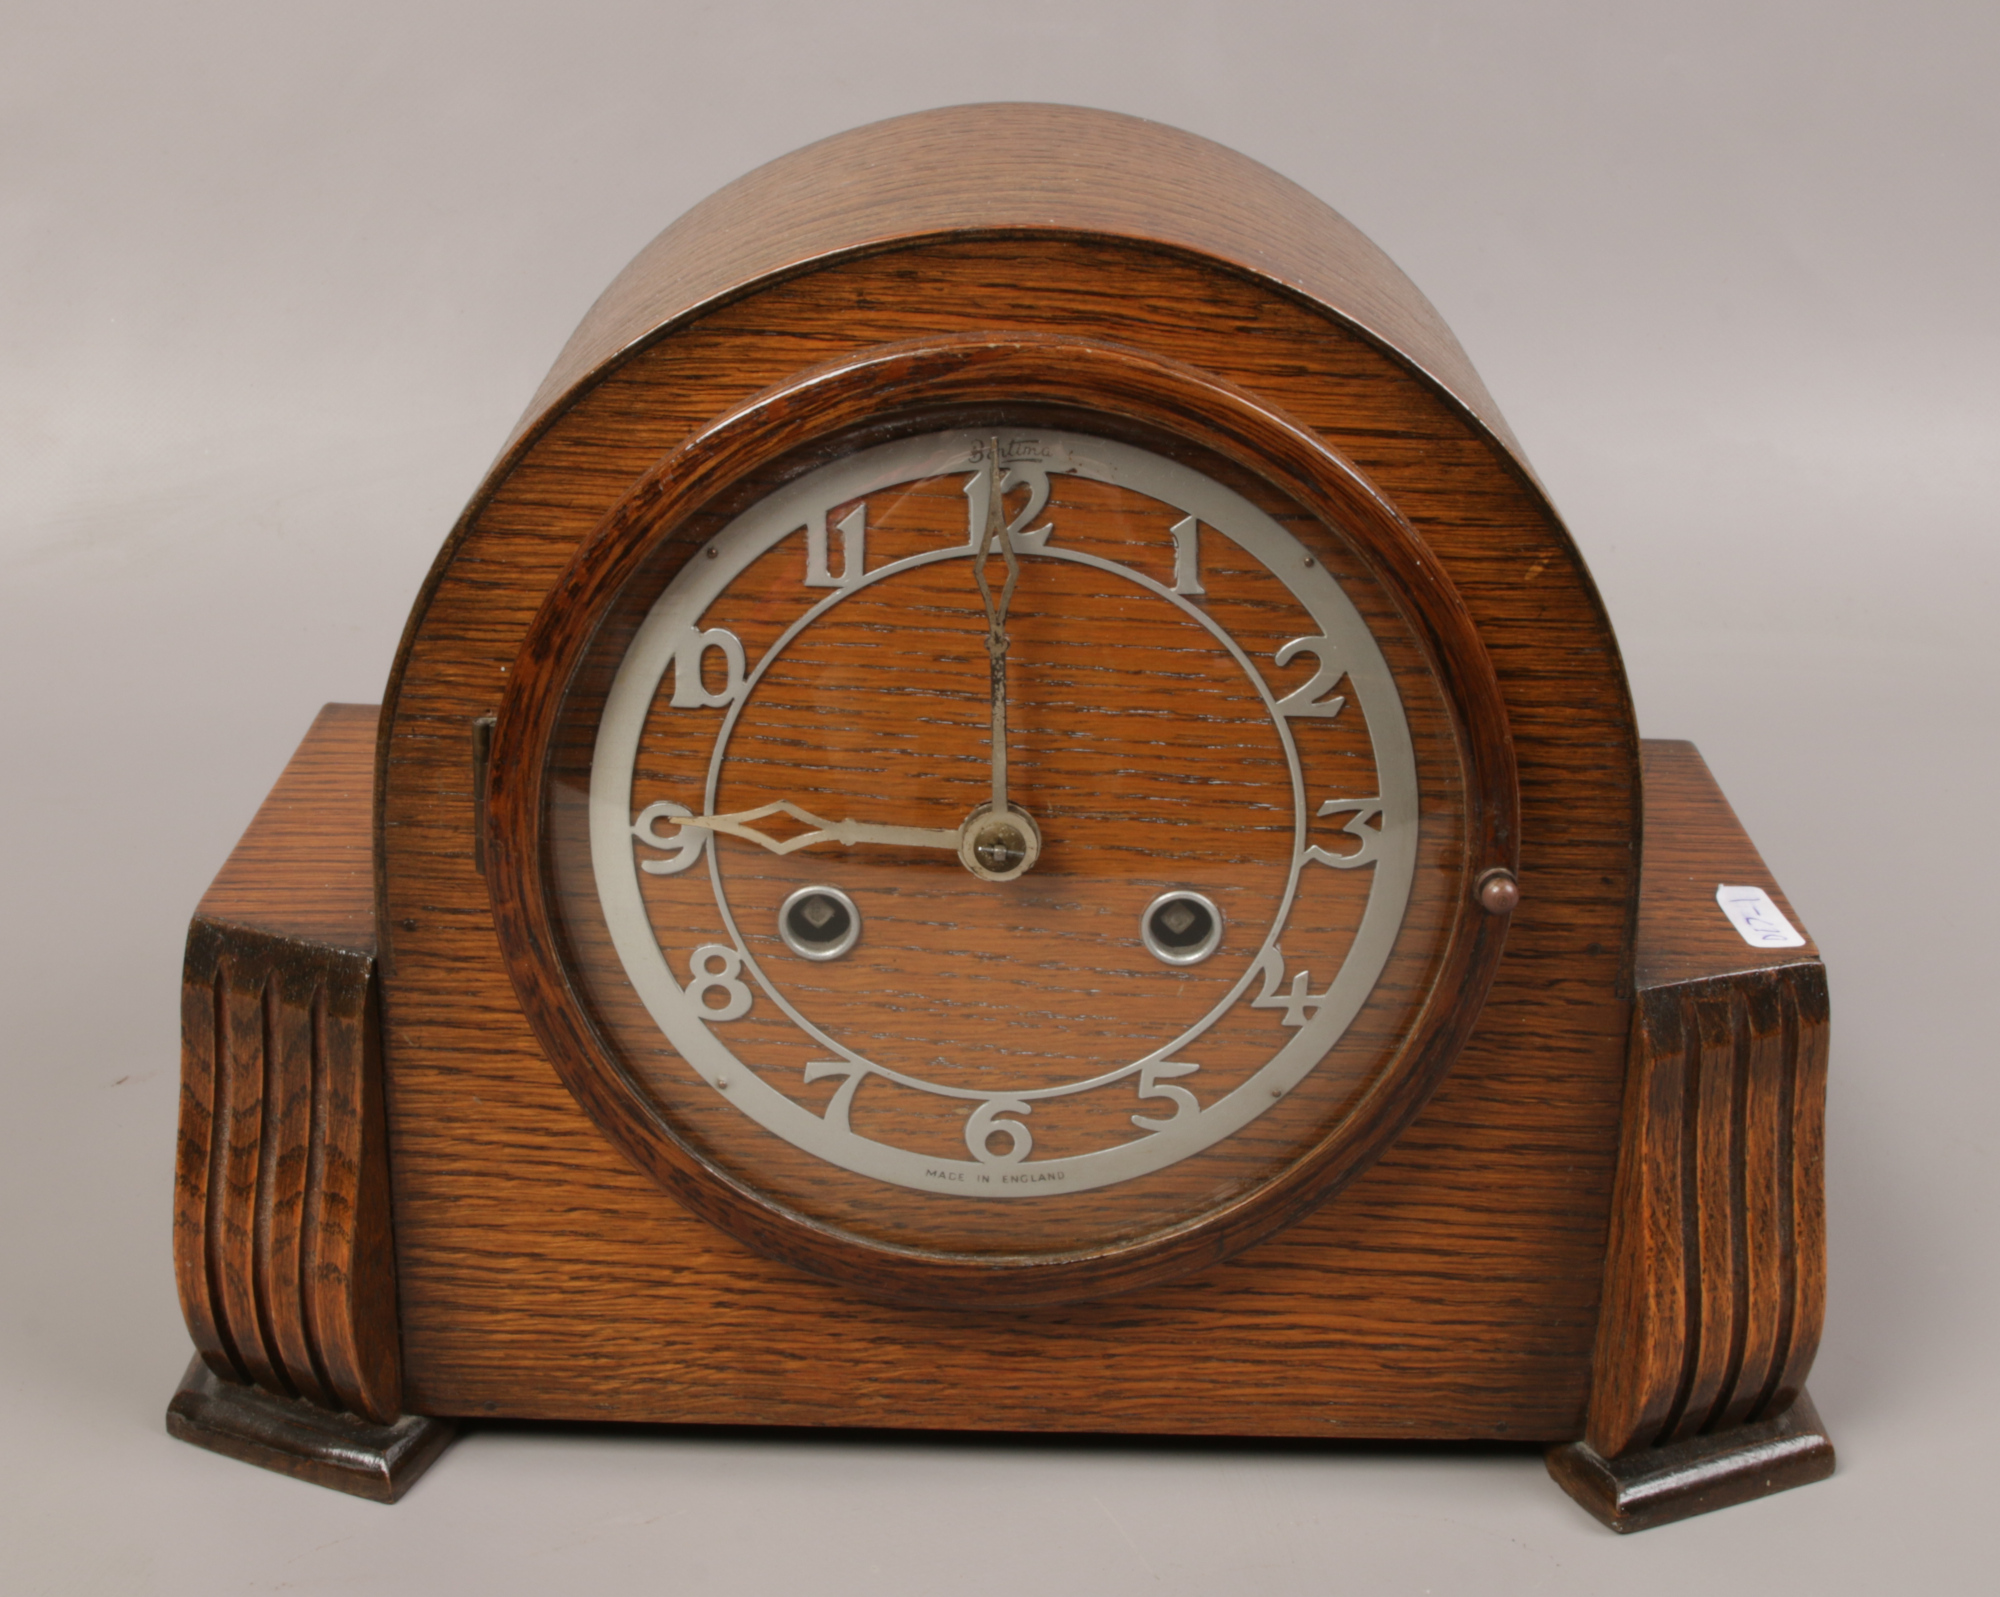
1230, 938
1009, 810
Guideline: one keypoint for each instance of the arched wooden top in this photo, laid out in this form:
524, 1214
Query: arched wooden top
1015, 169
1253, 285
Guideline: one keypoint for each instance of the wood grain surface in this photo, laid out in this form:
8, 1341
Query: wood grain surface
322, 894
1682, 935
281, 1219
1450, 1291
1715, 1275
992, 171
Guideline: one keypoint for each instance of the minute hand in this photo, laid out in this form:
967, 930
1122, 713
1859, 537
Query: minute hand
996, 619
848, 832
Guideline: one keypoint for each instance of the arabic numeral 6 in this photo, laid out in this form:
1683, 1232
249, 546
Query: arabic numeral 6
983, 1125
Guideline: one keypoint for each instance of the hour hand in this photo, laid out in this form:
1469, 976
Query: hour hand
848, 832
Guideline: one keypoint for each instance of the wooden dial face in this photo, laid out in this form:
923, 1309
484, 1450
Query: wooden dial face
998, 844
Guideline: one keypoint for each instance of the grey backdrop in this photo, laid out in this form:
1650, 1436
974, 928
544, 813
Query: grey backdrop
274, 282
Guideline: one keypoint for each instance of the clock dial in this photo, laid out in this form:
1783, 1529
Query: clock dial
1004, 841
1049, 1031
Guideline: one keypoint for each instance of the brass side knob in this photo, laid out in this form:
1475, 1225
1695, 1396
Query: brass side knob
1498, 891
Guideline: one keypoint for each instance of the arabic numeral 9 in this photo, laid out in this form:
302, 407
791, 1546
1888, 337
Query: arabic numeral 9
684, 846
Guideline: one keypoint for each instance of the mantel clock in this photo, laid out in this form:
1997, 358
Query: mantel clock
1009, 810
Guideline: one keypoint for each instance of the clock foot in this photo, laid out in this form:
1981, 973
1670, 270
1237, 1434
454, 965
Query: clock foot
1657, 1485
300, 1439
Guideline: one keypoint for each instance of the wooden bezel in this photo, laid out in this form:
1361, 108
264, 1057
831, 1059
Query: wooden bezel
904, 387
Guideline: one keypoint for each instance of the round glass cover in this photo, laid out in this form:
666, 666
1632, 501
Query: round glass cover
1002, 841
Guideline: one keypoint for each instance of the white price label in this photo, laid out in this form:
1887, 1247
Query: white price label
1761, 923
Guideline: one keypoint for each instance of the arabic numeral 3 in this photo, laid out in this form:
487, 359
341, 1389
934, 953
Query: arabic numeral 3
1367, 838
714, 968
